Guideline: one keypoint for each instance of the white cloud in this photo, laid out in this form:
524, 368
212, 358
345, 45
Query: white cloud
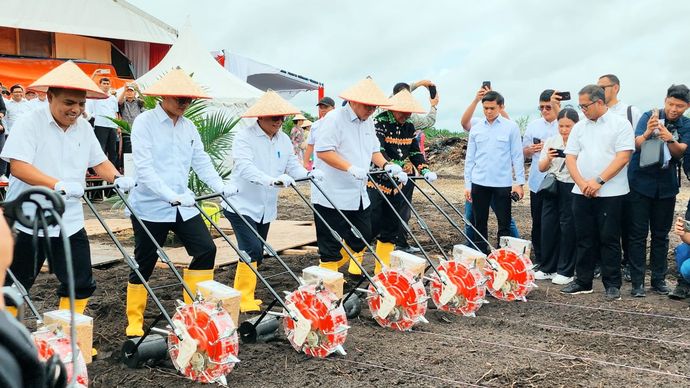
523, 47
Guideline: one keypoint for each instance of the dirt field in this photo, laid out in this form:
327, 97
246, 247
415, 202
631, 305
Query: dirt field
551, 340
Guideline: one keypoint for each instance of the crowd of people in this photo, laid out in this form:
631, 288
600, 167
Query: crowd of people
600, 181
601, 184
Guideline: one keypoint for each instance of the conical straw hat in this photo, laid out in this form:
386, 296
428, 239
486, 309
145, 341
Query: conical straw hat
306, 123
366, 92
271, 104
298, 116
176, 83
68, 76
404, 102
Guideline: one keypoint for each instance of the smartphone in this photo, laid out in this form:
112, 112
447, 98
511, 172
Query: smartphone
565, 96
432, 91
515, 196
560, 153
486, 85
103, 71
686, 227
536, 140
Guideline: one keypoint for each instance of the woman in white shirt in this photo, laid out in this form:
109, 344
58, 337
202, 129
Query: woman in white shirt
558, 227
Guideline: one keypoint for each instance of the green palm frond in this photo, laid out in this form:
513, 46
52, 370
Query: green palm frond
124, 126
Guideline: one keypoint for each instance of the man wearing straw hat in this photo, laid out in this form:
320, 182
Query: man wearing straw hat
396, 133
264, 162
53, 146
165, 145
345, 148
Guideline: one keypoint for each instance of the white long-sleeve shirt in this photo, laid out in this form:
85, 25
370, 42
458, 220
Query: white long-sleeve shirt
101, 109
15, 110
258, 161
163, 153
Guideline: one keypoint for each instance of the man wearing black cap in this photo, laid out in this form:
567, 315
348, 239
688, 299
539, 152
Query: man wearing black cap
325, 105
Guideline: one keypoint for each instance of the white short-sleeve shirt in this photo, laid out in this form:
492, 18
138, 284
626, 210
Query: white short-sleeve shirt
621, 109
595, 143
64, 155
101, 109
355, 141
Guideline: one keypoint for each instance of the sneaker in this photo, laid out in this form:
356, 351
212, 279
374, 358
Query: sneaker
626, 274
613, 293
660, 288
597, 271
539, 275
408, 249
3, 179
574, 288
681, 291
562, 280
638, 291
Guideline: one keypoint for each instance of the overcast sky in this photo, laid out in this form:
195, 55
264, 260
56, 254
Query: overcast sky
522, 47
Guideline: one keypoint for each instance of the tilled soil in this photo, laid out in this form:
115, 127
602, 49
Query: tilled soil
550, 340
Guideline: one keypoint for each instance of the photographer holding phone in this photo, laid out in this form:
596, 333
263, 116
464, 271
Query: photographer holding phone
532, 143
653, 189
558, 225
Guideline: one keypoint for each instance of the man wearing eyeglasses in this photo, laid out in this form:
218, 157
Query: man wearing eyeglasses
597, 156
612, 86
165, 146
532, 143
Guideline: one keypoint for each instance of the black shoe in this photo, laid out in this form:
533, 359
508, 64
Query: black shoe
681, 291
661, 288
638, 291
597, 272
613, 293
626, 274
574, 288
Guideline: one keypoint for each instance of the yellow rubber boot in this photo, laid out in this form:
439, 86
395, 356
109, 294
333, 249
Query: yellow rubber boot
345, 258
136, 304
12, 310
192, 277
79, 304
331, 265
383, 251
245, 283
353, 268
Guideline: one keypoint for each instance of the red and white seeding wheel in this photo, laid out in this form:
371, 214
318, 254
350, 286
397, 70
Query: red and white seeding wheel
50, 342
208, 347
403, 302
463, 292
321, 325
513, 278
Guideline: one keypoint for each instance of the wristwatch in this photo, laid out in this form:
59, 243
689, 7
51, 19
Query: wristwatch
600, 181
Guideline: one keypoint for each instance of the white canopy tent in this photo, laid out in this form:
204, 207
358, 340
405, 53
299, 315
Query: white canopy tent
189, 54
264, 76
115, 19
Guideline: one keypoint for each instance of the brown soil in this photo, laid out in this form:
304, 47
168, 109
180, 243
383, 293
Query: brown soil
551, 340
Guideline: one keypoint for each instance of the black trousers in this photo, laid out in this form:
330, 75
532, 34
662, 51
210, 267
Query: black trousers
649, 216
27, 262
385, 225
405, 213
558, 231
246, 239
598, 224
481, 201
536, 202
108, 138
3, 164
626, 222
193, 233
329, 247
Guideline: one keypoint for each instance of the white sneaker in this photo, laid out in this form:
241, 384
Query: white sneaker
539, 275
562, 280
3, 178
